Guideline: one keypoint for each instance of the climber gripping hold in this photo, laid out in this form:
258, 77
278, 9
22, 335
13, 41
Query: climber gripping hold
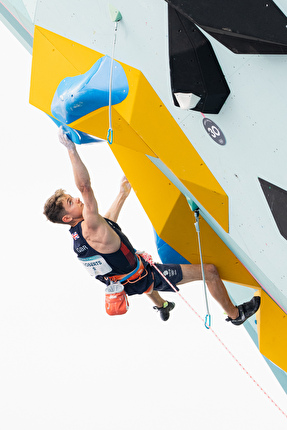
101, 240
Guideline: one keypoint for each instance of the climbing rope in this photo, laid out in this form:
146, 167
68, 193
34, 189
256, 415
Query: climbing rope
149, 259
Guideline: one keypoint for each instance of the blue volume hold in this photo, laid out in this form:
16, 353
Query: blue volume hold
167, 254
77, 96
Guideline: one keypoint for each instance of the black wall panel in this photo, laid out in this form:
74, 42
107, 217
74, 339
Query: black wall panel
193, 65
243, 26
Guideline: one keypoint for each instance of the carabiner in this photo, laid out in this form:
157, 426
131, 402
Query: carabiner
110, 136
207, 324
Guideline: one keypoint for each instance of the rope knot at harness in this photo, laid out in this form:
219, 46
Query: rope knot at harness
147, 257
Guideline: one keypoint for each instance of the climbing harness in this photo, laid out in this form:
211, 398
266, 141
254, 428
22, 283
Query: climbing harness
116, 20
207, 321
135, 275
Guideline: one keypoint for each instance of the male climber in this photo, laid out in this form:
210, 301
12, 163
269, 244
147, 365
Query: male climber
99, 236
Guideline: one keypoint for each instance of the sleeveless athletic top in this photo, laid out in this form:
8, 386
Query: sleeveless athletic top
120, 262
116, 263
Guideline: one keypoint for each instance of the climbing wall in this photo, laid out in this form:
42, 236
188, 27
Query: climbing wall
203, 118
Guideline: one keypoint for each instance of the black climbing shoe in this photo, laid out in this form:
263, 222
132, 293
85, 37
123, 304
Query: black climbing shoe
246, 310
165, 310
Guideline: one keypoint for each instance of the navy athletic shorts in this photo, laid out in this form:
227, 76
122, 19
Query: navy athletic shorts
172, 272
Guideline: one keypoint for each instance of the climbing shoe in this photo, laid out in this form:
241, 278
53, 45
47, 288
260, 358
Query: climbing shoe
165, 310
246, 310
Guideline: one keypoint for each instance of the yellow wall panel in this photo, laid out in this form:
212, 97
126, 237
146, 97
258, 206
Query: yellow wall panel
54, 59
127, 106
43, 82
81, 57
155, 192
173, 220
214, 203
272, 331
97, 124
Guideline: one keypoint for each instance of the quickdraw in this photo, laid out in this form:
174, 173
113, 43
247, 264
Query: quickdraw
117, 17
207, 321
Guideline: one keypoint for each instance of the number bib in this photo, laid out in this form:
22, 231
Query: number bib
96, 265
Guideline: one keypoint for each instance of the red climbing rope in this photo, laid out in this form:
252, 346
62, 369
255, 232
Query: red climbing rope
149, 259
